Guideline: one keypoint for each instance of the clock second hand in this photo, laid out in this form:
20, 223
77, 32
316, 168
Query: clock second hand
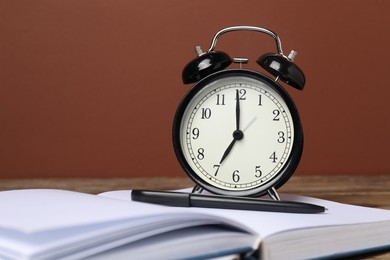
237, 134
249, 124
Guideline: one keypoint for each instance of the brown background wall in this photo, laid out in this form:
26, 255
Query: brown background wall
90, 88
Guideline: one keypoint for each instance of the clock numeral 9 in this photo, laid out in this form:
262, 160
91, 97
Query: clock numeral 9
195, 133
236, 177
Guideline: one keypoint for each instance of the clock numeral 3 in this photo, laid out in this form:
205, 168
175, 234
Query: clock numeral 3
281, 138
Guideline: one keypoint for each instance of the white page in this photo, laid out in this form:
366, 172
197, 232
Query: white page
40, 222
268, 223
39, 209
224, 242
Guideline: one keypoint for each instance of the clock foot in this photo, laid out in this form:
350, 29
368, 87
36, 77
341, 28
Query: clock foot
197, 189
273, 194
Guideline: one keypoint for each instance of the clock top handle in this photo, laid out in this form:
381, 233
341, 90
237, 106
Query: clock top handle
277, 64
247, 28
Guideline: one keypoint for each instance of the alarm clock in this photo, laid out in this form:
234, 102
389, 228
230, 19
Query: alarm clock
237, 132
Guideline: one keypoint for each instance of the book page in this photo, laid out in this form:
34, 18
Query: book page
268, 223
52, 224
201, 242
38, 210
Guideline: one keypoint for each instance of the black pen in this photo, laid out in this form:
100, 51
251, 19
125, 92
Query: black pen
181, 199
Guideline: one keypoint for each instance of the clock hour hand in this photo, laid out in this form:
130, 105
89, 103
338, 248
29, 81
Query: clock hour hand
227, 151
237, 135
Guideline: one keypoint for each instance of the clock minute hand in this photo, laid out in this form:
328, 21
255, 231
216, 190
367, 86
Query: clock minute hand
237, 110
238, 134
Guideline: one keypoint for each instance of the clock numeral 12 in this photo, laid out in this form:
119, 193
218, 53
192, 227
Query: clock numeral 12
242, 93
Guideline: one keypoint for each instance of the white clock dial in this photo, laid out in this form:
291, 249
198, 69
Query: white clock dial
237, 144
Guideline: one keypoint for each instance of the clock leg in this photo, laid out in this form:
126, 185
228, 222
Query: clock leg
197, 189
273, 194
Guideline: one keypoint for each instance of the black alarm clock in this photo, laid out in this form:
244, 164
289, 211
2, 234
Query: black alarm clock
237, 132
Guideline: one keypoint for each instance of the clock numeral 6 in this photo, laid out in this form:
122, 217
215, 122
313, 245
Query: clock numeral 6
236, 177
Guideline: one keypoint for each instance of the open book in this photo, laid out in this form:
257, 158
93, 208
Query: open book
59, 224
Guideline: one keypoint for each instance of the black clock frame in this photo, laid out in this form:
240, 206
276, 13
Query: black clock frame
292, 162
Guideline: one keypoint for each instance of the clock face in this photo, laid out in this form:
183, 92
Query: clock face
236, 133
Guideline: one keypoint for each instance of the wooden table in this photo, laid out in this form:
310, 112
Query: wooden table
372, 191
